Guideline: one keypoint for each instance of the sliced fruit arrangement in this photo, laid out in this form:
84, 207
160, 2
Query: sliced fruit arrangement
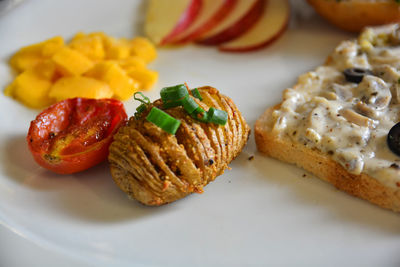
167, 19
232, 25
246, 16
91, 65
212, 13
270, 26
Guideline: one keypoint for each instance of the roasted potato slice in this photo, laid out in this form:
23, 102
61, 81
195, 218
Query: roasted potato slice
156, 168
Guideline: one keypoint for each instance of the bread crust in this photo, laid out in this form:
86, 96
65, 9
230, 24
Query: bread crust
322, 165
354, 15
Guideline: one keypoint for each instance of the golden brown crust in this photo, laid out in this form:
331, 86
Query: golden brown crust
156, 168
321, 165
353, 15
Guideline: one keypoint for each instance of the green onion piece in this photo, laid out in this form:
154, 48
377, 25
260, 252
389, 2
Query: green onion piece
141, 108
217, 116
196, 94
200, 115
173, 93
163, 120
144, 99
189, 105
173, 103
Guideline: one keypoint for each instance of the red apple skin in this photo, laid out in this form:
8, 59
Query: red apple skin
187, 18
264, 44
255, 47
239, 27
215, 19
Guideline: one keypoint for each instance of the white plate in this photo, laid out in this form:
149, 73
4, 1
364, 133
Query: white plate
260, 212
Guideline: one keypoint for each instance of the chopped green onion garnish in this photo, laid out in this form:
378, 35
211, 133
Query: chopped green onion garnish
173, 93
140, 109
144, 99
189, 105
217, 116
163, 120
196, 94
200, 115
173, 103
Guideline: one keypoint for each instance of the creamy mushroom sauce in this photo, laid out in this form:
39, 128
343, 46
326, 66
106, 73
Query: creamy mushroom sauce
349, 121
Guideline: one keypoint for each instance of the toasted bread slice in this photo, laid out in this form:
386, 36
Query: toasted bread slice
362, 167
322, 166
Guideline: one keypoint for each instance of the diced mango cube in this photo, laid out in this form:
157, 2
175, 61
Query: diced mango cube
25, 61
111, 73
78, 36
9, 90
90, 46
132, 62
27, 57
46, 69
118, 50
31, 89
146, 78
143, 48
79, 86
52, 45
108, 41
70, 62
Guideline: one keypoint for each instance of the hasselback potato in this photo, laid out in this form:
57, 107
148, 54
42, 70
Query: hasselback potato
156, 167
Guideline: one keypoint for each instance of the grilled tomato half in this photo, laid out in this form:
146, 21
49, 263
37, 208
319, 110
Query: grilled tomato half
74, 134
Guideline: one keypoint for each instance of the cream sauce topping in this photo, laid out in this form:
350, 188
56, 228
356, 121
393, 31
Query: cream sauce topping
348, 121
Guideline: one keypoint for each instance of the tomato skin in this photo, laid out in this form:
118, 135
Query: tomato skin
74, 134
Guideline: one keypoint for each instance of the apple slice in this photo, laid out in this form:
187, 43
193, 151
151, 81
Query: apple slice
245, 14
268, 29
212, 13
166, 19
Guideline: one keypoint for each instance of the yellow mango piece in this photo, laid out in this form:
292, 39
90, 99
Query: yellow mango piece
111, 73
146, 78
51, 46
119, 50
27, 57
46, 69
132, 62
108, 41
9, 90
31, 89
90, 46
25, 61
70, 62
78, 36
79, 86
143, 48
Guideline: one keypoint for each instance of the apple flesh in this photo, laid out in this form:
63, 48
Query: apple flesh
269, 28
244, 16
212, 13
167, 19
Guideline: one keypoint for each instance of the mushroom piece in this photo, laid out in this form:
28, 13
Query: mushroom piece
374, 92
342, 91
390, 75
356, 118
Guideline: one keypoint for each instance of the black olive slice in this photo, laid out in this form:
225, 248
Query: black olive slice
355, 75
393, 139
